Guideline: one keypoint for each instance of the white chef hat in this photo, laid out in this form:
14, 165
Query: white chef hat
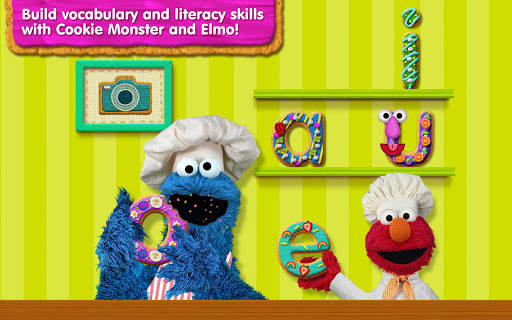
397, 185
238, 145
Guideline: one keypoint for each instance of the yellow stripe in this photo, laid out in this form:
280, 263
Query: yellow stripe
34, 177
359, 130
197, 86
290, 188
432, 49
11, 144
268, 220
478, 164
81, 203
314, 76
499, 172
57, 184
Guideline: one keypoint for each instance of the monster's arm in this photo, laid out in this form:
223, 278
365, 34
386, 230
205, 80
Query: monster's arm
121, 275
231, 287
196, 266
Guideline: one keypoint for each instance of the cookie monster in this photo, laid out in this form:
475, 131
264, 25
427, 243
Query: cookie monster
194, 163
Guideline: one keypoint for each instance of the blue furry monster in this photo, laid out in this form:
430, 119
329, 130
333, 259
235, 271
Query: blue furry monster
207, 198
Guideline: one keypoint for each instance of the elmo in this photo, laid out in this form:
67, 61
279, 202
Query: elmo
400, 242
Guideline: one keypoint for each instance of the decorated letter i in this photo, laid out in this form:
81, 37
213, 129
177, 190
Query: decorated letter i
410, 50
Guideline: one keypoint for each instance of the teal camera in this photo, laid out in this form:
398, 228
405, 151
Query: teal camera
125, 95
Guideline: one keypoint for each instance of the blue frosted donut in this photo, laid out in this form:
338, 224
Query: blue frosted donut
315, 126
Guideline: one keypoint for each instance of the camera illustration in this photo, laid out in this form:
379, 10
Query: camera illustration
125, 96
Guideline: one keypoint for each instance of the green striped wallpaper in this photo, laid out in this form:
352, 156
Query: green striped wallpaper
58, 186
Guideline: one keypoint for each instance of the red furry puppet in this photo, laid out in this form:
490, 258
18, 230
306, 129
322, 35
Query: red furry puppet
400, 242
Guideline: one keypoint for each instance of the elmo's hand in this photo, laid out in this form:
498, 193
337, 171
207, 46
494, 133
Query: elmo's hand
323, 281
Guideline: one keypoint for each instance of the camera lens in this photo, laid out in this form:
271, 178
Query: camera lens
125, 97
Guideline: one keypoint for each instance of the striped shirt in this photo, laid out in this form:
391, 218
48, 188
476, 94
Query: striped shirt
159, 286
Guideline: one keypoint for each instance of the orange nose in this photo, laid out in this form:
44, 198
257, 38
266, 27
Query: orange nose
399, 230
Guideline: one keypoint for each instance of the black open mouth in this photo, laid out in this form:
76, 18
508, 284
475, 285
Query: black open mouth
196, 209
404, 256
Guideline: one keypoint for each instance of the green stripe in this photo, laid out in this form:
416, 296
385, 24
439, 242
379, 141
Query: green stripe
244, 247
432, 49
290, 63
360, 53
221, 85
197, 86
81, 206
337, 125
57, 155
34, 177
11, 204
455, 113
353, 93
314, 76
383, 77
268, 190
499, 172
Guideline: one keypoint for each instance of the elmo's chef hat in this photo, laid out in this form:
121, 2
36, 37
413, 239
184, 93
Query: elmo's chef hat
238, 147
397, 185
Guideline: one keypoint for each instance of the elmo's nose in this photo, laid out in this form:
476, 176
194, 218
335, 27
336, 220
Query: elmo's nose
399, 230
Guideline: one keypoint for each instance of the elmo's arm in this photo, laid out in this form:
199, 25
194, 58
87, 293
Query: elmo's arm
334, 280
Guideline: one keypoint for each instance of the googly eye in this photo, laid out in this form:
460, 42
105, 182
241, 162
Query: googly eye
387, 216
400, 115
408, 214
187, 167
209, 168
385, 115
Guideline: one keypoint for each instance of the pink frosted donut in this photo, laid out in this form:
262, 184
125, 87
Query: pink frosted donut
142, 208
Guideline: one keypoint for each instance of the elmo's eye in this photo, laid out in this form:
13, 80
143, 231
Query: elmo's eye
408, 214
187, 167
384, 115
387, 216
400, 115
209, 168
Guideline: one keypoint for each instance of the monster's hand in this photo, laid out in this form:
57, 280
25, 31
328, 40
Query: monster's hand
121, 275
116, 250
195, 265
323, 281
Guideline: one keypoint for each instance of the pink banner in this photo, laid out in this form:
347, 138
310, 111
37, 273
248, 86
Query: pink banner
148, 22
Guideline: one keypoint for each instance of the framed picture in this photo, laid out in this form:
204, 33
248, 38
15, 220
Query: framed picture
129, 95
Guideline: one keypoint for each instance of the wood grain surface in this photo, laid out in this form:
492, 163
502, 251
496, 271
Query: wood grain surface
85, 309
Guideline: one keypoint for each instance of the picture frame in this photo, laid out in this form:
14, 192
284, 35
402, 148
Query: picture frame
93, 79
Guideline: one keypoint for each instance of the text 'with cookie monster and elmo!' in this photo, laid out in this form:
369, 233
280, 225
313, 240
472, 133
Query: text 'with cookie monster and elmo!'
161, 23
